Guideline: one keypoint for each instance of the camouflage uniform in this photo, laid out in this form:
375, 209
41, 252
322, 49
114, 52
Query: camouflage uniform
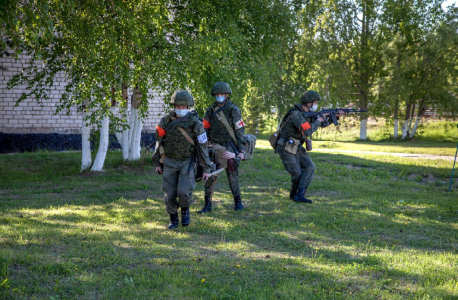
218, 134
299, 165
178, 168
178, 174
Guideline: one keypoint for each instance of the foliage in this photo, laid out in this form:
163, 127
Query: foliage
161, 45
388, 56
419, 61
341, 41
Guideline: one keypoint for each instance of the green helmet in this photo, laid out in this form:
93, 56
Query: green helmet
221, 88
310, 96
182, 97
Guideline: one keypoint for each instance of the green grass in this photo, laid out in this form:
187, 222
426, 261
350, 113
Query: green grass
381, 227
378, 131
412, 147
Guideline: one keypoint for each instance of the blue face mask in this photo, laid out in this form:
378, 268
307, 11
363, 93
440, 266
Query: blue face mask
181, 112
220, 98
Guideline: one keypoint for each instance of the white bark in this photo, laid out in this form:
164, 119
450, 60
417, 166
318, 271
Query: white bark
363, 130
125, 137
405, 129
396, 128
133, 116
414, 129
134, 152
409, 128
86, 159
103, 146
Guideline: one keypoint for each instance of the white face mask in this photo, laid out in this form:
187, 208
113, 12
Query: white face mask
181, 112
314, 107
220, 99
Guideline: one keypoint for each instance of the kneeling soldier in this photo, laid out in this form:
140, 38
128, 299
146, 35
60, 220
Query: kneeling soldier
224, 125
180, 137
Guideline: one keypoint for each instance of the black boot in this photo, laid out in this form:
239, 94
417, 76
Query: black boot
173, 221
185, 216
293, 190
238, 203
207, 207
292, 193
299, 197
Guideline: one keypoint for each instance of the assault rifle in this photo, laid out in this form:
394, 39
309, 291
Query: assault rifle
330, 114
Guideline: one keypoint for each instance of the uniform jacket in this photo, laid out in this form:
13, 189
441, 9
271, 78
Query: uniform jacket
298, 126
217, 132
176, 145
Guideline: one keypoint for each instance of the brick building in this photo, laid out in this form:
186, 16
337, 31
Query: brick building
29, 123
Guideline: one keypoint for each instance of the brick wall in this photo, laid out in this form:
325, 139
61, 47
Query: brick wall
30, 117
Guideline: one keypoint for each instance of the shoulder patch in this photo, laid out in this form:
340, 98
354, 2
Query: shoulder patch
202, 138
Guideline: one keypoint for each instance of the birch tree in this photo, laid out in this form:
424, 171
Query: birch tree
86, 159
136, 125
163, 46
99, 46
418, 69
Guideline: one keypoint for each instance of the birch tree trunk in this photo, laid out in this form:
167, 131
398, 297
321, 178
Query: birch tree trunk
86, 159
131, 122
363, 68
405, 126
125, 131
363, 129
396, 117
412, 112
396, 128
103, 146
417, 121
134, 152
405, 129
415, 126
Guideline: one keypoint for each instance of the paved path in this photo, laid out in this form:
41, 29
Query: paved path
406, 155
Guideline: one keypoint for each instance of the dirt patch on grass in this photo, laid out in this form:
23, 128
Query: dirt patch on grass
428, 178
352, 167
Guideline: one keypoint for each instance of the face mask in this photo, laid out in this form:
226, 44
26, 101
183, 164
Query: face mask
220, 98
181, 112
314, 107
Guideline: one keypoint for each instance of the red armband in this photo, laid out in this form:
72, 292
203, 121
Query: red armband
206, 124
305, 126
160, 131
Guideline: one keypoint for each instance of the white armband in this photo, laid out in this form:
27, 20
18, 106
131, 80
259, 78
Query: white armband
202, 138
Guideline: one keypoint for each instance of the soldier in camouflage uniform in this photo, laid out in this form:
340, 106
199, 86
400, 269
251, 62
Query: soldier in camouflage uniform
296, 127
180, 154
219, 134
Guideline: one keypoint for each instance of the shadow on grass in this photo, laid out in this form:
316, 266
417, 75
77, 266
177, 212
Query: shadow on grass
105, 224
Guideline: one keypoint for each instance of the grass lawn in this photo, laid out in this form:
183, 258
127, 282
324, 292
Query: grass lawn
380, 227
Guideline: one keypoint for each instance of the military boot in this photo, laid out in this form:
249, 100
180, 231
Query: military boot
173, 221
238, 203
185, 216
207, 207
300, 196
293, 190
